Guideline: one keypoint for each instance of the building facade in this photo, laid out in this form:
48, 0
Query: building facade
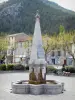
19, 48
16, 52
59, 57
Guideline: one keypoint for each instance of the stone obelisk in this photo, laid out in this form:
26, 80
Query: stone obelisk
37, 63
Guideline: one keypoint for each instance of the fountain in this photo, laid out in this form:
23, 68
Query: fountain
37, 83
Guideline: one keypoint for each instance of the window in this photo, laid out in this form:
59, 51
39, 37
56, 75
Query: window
12, 38
69, 61
53, 61
59, 53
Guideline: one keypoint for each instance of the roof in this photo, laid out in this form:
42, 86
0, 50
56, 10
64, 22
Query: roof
17, 34
20, 37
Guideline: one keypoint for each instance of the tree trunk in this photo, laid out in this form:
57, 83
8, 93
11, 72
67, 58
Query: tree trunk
46, 57
73, 62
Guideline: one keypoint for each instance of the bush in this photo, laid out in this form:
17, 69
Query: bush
3, 67
51, 69
63, 69
69, 69
27, 68
19, 67
72, 70
10, 67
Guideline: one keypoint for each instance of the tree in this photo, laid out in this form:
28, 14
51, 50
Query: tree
66, 43
61, 29
3, 48
27, 46
49, 44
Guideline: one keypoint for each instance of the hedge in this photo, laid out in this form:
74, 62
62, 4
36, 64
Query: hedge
10, 67
3, 67
51, 69
19, 67
69, 69
27, 68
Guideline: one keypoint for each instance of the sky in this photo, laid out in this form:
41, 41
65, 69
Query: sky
69, 4
2, 1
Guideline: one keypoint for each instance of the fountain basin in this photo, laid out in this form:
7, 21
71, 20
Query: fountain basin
22, 87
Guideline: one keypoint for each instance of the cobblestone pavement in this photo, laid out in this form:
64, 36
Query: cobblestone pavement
7, 78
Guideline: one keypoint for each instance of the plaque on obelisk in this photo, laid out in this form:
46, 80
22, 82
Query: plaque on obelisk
37, 67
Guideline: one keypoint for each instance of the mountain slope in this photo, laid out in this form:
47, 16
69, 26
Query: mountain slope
56, 6
19, 16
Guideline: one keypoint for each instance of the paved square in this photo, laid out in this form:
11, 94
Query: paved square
7, 78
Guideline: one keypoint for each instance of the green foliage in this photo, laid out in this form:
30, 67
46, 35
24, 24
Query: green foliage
3, 47
19, 67
51, 69
23, 20
26, 67
63, 69
61, 30
69, 69
3, 43
63, 42
49, 44
2, 67
10, 67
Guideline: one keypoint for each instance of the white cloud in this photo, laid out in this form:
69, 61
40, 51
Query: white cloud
69, 4
2, 1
